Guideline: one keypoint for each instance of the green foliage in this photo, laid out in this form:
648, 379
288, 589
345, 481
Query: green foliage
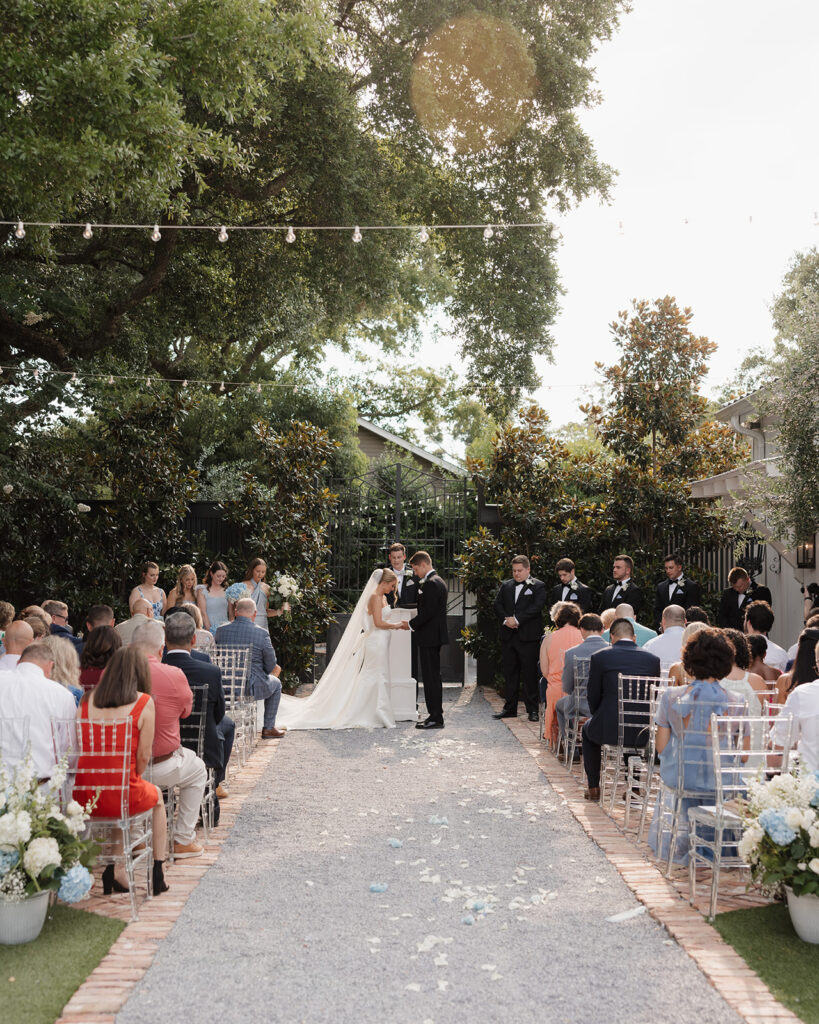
285, 521
654, 415
555, 503
235, 112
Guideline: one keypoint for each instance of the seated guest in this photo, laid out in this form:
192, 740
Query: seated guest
99, 615
173, 764
100, 647
623, 657
29, 692
6, 619
39, 621
147, 590
553, 649
668, 645
642, 633
591, 628
676, 673
801, 715
759, 619
697, 614
219, 728
683, 730
758, 645
607, 616
18, 636
58, 610
804, 666
141, 612
66, 669
811, 623
123, 692
264, 672
750, 686
204, 642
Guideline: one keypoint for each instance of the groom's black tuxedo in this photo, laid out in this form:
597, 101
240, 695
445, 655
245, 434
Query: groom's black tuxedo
631, 595
519, 652
430, 633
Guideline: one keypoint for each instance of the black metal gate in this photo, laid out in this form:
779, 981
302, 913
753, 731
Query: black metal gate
426, 512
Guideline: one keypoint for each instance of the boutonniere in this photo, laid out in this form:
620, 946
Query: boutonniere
573, 586
529, 582
624, 586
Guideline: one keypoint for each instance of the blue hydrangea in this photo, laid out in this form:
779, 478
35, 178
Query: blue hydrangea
8, 860
75, 884
777, 828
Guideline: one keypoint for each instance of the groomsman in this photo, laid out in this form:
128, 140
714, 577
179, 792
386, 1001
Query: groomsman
676, 589
735, 599
624, 589
570, 588
519, 608
405, 594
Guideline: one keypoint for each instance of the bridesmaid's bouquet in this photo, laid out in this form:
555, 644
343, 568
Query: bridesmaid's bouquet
236, 591
284, 593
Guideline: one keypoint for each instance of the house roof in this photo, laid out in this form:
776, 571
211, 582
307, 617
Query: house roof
413, 449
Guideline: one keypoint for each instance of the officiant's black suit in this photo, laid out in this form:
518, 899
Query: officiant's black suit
684, 594
632, 595
583, 596
520, 647
430, 634
408, 596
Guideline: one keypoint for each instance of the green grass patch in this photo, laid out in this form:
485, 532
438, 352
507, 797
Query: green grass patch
765, 939
48, 971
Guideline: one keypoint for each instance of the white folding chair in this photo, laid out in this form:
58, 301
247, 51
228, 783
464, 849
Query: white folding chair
575, 719
192, 734
633, 726
234, 663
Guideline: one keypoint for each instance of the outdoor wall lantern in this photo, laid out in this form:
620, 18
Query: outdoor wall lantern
806, 554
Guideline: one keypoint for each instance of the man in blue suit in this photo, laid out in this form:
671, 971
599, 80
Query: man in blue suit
624, 657
264, 671
180, 633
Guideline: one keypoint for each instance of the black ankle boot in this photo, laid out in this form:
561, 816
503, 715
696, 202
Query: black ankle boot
109, 883
159, 883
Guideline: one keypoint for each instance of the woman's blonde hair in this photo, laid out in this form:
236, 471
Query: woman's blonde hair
388, 576
66, 660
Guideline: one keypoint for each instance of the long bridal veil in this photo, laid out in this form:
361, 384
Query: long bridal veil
327, 702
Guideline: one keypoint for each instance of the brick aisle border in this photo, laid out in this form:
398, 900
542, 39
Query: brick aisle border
106, 989
739, 986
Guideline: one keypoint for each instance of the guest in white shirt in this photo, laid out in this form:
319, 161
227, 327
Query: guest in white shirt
668, 646
141, 612
18, 636
802, 705
28, 692
760, 619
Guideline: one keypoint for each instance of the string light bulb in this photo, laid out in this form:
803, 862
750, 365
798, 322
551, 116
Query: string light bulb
488, 232
290, 236
185, 383
111, 379
423, 235
357, 234
222, 236
149, 381
155, 234
258, 389
20, 231
87, 232
222, 386
656, 385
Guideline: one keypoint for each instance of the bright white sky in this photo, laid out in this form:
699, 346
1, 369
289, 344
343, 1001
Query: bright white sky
708, 113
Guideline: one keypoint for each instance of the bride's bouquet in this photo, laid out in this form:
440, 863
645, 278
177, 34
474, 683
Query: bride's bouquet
284, 593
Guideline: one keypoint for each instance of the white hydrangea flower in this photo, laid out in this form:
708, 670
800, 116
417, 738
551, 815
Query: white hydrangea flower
747, 846
813, 832
39, 854
74, 809
814, 865
15, 828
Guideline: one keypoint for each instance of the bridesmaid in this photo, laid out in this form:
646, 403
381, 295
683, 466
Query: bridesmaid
149, 591
259, 592
184, 591
211, 597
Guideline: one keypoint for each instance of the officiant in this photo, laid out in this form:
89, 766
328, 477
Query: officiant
405, 594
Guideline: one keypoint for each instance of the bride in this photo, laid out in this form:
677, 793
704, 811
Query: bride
353, 691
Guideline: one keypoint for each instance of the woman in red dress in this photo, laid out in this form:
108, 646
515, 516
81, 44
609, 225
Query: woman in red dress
122, 692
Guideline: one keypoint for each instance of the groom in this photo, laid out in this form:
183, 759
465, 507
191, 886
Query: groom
429, 629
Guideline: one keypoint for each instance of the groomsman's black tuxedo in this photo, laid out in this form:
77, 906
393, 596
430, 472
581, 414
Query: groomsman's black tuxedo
685, 594
731, 611
574, 591
631, 595
406, 593
430, 634
521, 646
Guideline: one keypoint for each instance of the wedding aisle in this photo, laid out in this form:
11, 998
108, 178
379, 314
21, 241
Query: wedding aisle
494, 904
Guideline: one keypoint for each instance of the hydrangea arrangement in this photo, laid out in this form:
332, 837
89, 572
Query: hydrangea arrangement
781, 836
284, 592
236, 591
40, 845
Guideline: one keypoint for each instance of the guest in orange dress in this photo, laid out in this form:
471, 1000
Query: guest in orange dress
123, 692
565, 615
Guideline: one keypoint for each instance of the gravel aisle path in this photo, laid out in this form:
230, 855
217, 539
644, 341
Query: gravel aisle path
459, 825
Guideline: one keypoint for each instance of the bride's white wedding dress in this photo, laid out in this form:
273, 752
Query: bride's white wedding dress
353, 691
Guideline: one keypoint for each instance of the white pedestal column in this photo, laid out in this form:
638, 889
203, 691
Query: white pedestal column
402, 685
